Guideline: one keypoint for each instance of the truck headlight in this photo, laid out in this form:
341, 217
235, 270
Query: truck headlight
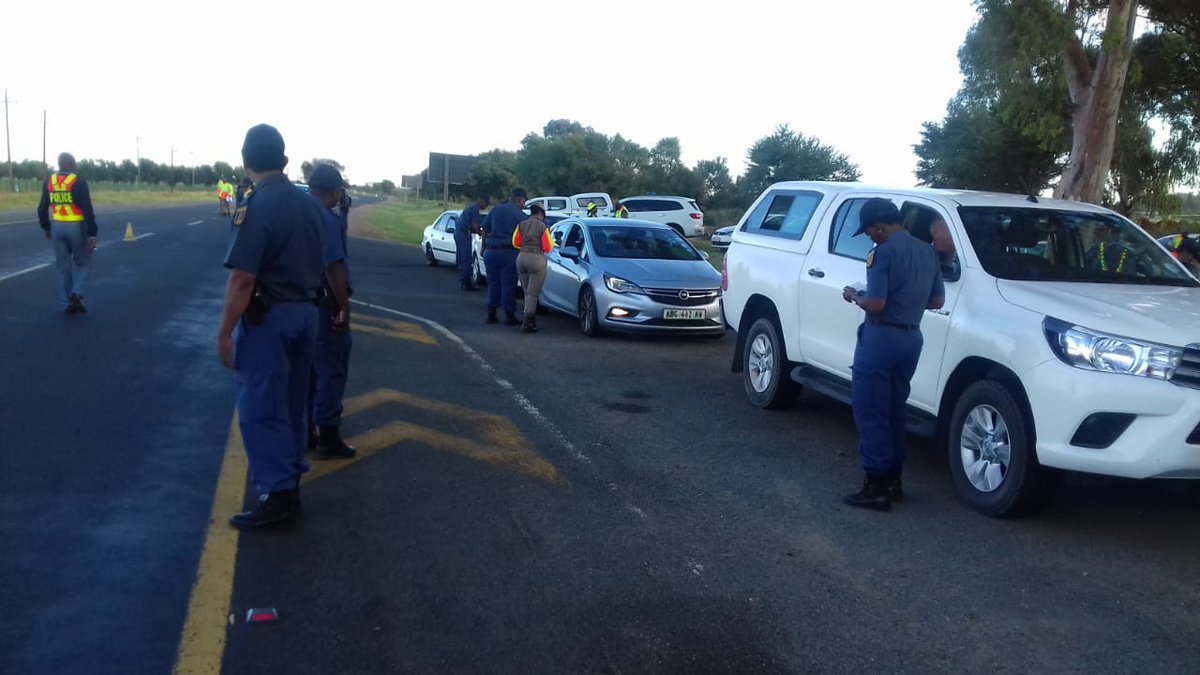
619, 285
1092, 350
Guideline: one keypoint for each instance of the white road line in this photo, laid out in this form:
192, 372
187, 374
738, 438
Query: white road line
18, 222
24, 271
517, 396
195, 223
143, 236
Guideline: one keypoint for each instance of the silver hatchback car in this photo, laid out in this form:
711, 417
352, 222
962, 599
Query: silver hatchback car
631, 275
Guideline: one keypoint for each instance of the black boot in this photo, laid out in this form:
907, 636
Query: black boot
331, 446
529, 325
491, 317
510, 319
312, 439
273, 509
873, 495
895, 488
468, 286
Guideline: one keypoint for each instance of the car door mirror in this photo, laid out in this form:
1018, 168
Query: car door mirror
450, 228
569, 252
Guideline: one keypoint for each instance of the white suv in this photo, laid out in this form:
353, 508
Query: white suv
1068, 339
555, 205
680, 213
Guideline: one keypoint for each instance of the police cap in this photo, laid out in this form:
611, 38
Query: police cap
877, 210
326, 177
263, 149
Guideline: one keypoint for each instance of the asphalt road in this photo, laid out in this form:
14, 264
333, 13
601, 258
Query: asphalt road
528, 504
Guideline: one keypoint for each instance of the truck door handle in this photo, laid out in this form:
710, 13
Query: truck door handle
814, 272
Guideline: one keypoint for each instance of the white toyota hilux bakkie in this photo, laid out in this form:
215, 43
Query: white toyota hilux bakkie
1069, 340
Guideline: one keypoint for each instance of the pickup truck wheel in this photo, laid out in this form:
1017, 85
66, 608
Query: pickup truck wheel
764, 368
430, 259
993, 462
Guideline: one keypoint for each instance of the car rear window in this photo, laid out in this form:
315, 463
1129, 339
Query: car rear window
556, 205
694, 205
784, 214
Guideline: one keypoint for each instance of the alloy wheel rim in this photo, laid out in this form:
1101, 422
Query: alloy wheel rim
762, 363
985, 448
585, 311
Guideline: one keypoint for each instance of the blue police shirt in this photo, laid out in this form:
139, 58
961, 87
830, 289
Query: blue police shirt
500, 224
333, 240
905, 272
277, 237
469, 217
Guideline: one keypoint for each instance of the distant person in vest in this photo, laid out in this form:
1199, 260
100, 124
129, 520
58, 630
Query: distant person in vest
620, 211
223, 197
66, 215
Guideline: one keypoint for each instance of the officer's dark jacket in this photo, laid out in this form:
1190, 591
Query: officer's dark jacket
905, 272
82, 198
499, 225
470, 216
277, 237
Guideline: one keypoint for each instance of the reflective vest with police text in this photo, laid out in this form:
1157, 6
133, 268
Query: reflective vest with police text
62, 199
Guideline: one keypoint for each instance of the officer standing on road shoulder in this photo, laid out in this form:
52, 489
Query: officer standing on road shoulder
500, 257
331, 365
467, 228
275, 270
903, 280
66, 215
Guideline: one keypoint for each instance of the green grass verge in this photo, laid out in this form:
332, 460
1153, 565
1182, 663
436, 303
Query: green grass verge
10, 201
405, 222
716, 256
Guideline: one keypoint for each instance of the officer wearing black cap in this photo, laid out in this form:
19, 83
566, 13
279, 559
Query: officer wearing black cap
331, 365
500, 258
903, 280
268, 328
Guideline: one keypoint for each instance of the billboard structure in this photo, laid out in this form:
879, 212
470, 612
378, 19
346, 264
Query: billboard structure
449, 170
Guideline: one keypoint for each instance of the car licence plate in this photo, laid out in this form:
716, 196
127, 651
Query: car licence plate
683, 314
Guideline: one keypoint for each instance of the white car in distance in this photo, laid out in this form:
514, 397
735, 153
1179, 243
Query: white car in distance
680, 213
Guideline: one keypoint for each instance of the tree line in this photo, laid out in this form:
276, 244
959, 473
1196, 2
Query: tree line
127, 171
1066, 95
568, 158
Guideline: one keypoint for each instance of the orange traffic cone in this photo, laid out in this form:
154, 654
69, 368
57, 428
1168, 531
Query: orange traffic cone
129, 232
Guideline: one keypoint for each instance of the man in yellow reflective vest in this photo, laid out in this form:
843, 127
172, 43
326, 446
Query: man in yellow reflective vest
66, 215
620, 211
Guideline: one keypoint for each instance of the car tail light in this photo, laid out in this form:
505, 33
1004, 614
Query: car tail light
696, 216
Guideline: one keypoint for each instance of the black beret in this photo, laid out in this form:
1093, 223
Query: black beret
263, 149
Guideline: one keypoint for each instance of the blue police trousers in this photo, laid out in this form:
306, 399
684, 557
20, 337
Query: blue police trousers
273, 361
331, 367
502, 278
72, 258
462, 256
885, 359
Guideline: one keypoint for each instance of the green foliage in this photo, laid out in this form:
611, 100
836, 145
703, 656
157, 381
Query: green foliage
387, 187
975, 148
307, 166
99, 171
493, 175
787, 155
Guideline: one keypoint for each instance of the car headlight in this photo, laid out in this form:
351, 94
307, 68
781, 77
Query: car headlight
619, 285
1092, 350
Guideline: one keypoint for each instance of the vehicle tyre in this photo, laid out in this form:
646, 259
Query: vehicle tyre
589, 318
765, 368
430, 259
477, 277
993, 459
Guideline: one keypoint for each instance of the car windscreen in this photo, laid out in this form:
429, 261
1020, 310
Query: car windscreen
641, 242
1032, 244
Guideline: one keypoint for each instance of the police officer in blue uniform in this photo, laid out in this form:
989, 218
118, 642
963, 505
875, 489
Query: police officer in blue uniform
468, 225
903, 280
268, 328
331, 365
500, 258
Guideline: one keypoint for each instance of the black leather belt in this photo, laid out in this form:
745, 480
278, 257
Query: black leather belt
893, 324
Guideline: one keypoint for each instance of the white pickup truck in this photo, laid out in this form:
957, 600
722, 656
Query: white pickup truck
1068, 340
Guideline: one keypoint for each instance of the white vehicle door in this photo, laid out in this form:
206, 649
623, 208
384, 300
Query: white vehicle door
561, 289
443, 241
918, 216
838, 259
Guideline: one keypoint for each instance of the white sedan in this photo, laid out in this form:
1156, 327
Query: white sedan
722, 237
439, 246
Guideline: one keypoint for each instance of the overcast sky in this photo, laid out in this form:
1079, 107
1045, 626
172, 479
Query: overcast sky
378, 86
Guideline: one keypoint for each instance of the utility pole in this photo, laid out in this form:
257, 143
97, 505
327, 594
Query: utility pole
445, 181
12, 181
44, 138
138, 141
172, 178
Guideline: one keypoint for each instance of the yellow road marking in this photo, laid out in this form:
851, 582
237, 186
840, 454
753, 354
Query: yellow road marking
202, 645
400, 330
499, 441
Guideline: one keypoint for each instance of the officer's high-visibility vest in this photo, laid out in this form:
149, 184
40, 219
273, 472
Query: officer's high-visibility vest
622, 212
62, 199
1120, 263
